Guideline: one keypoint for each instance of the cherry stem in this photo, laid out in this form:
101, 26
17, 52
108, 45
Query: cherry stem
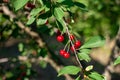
66, 44
80, 65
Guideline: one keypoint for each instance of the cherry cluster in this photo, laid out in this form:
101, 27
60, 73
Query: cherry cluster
72, 41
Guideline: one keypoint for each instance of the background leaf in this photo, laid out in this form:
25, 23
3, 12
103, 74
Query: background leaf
117, 61
93, 42
17, 4
73, 70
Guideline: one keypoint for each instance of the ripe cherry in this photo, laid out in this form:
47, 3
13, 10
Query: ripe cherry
72, 37
62, 52
6, 1
46, 22
77, 44
66, 55
60, 38
58, 32
72, 48
30, 5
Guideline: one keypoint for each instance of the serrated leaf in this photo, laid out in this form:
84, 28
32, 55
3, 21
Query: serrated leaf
58, 13
88, 68
35, 11
17, 4
73, 70
31, 20
95, 76
83, 56
85, 51
41, 21
93, 42
117, 61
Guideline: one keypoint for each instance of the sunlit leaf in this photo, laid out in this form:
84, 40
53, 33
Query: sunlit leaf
117, 61
93, 42
17, 4
85, 51
96, 76
35, 11
83, 56
31, 20
58, 13
41, 21
73, 70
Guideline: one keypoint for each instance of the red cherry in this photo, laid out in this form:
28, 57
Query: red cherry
72, 48
19, 78
30, 5
58, 32
72, 37
60, 38
66, 55
23, 74
6, 1
62, 52
46, 22
77, 44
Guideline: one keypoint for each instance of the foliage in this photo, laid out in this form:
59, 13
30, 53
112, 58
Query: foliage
81, 18
117, 61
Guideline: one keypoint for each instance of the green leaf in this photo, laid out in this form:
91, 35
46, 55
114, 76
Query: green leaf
41, 2
88, 68
78, 78
35, 11
80, 5
117, 61
58, 13
95, 76
31, 20
9, 74
17, 4
73, 70
60, 25
93, 42
68, 3
41, 21
85, 51
43, 64
20, 47
83, 56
